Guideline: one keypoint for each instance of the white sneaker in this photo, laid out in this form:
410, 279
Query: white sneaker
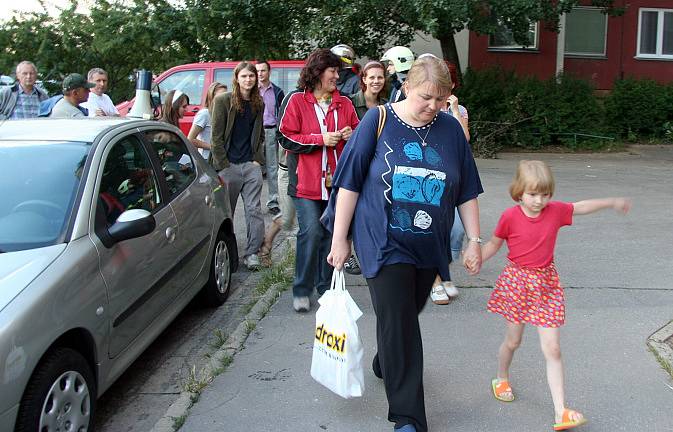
301, 304
252, 262
438, 295
450, 289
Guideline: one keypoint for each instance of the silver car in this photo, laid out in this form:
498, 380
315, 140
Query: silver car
108, 228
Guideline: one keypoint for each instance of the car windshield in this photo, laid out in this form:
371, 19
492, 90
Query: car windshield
38, 188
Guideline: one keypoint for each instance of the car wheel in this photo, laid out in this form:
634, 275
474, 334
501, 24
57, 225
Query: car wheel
217, 289
61, 395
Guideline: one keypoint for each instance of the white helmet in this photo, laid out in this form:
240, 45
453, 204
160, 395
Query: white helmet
400, 56
345, 53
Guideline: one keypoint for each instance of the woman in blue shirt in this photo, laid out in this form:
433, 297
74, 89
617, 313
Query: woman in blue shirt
397, 193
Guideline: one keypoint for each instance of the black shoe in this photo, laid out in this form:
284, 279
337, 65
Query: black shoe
376, 367
274, 211
352, 267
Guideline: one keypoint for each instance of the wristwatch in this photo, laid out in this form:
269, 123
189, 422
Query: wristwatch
477, 240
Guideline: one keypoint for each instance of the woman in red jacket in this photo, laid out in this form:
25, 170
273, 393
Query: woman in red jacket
315, 125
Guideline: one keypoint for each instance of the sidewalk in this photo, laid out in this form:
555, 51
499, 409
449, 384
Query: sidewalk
617, 275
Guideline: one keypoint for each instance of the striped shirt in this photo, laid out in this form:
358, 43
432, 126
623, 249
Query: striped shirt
27, 105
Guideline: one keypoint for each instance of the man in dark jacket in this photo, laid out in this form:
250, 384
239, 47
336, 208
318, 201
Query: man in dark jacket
272, 96
22, 100
348, 82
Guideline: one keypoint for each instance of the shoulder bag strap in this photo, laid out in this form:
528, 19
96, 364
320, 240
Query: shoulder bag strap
382, 120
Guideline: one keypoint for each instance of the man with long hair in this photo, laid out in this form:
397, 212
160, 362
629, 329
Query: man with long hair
238, 152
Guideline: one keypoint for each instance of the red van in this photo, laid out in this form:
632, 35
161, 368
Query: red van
194, 78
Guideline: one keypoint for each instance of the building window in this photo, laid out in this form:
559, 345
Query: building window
655, 33
503, 39
585, 32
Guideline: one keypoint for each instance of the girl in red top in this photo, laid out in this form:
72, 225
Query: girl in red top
528, 290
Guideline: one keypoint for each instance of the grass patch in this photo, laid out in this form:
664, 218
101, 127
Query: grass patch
250, 326
195, 383
219, 339
281, 273
665, 365
226, 361
178, 422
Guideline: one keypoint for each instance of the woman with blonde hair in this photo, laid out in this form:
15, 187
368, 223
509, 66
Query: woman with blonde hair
396, 189
201, 131
237, 148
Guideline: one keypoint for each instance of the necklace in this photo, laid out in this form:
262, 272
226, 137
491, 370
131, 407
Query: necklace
423, 143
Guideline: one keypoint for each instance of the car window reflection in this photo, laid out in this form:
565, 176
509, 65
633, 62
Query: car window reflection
176, 162
128, 181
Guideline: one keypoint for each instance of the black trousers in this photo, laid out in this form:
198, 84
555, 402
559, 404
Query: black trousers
399, 292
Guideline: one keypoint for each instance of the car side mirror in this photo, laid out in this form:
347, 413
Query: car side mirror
132, 223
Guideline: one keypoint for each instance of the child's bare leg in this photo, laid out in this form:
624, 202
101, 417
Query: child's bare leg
550, 341
512, 341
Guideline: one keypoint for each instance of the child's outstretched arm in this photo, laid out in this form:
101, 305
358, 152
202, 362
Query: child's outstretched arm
621, 205
490, 248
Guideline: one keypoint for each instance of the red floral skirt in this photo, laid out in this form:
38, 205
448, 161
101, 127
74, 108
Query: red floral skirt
529, 296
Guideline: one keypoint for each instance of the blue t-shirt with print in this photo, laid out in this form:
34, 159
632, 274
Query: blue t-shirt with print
409, 185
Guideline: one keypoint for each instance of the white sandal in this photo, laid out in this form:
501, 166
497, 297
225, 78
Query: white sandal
438, 295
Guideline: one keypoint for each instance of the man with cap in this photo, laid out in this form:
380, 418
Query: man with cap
75, 91
348, 82
399, 60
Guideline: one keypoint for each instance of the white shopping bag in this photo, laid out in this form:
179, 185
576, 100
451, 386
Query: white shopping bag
337, 348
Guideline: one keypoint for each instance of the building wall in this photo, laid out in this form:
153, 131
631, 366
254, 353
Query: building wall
425, 43
620, 60
540, 63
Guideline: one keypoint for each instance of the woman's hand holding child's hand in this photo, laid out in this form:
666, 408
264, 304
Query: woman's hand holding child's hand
472, 258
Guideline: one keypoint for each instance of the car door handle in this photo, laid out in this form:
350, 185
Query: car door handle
170, 234
209, 200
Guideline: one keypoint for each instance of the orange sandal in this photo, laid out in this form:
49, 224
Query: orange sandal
501, 386
567, 423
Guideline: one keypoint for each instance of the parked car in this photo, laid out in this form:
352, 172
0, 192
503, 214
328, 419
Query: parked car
108, 228
6, 80
193, 79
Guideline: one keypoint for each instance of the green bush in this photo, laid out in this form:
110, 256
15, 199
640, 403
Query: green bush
506, 110
639, 108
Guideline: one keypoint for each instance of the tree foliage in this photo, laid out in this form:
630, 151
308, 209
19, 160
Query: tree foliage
122, 36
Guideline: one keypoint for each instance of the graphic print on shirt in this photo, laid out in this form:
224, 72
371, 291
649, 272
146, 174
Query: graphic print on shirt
415, 185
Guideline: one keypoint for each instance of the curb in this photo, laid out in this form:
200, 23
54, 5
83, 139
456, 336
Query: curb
179, 409
661, 350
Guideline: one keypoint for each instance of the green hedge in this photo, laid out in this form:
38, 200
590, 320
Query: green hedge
511, 111
639, 108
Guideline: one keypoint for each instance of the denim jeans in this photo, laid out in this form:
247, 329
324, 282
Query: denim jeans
457, 235
271, 156
313, 246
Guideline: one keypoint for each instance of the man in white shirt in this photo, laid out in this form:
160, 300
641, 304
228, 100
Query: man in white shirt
99, 104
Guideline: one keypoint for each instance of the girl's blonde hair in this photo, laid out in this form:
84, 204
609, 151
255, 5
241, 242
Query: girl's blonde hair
430, 69
531, 175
